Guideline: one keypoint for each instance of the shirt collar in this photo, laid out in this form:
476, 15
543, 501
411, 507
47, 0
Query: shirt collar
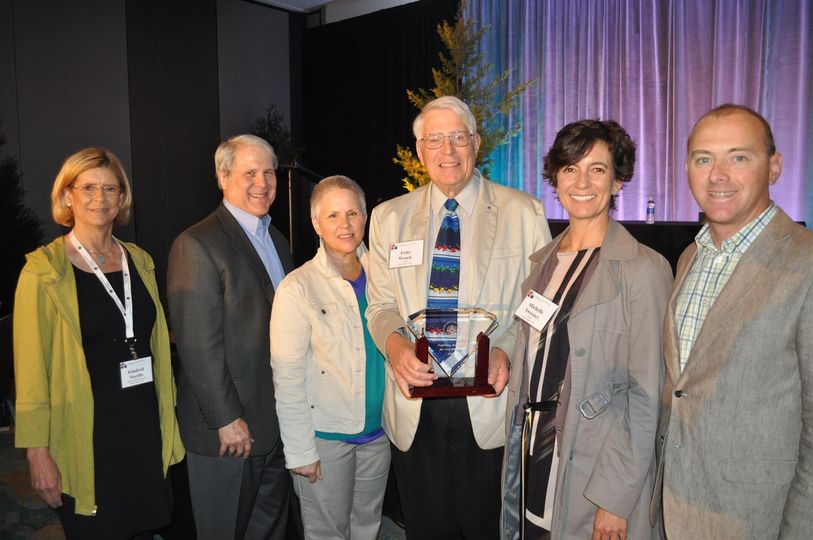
253, 225
466, 199
742, 239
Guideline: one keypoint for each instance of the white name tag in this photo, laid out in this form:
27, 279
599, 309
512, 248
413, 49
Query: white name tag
536, 310
135, 372
403, 254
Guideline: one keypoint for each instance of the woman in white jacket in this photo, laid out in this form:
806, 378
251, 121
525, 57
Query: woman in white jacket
329, 376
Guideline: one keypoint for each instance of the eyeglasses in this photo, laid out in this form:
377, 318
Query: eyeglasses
108, 190
457, 138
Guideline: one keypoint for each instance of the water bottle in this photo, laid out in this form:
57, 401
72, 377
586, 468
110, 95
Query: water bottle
650, 210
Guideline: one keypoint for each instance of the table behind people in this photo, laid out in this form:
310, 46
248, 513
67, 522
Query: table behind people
447, 452
585, 385
222, 275
91, 358
736, 431
329, 376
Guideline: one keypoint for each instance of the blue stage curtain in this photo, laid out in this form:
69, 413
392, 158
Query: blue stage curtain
654, 66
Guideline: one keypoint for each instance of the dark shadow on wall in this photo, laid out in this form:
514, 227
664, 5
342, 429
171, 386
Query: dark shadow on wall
355, 80
174, 118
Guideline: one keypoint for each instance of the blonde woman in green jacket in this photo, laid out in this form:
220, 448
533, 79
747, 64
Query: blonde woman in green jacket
95, 392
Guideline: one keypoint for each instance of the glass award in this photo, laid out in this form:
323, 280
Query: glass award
456, 342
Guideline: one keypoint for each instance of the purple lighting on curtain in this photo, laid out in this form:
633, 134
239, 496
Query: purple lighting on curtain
655, 67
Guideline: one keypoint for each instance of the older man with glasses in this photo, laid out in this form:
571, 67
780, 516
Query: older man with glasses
447, 452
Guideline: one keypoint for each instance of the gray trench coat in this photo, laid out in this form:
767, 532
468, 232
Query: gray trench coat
616, 369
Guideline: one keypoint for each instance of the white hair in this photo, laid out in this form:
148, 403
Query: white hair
445, 102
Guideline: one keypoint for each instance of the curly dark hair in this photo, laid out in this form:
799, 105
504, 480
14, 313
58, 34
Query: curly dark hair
576, 139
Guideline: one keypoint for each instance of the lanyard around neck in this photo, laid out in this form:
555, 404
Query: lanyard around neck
126, 309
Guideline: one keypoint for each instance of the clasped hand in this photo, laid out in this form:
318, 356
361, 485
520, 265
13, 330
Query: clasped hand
312, 472
235, 439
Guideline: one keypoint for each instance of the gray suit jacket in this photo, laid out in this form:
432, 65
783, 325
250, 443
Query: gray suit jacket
220, 299
736, 427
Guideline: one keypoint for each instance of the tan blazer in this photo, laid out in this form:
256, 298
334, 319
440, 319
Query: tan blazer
736, 428
509, 226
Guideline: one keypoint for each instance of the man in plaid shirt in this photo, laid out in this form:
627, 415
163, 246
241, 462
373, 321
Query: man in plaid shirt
735, 438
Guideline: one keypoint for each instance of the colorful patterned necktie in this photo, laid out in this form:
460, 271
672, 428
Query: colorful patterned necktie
441, 328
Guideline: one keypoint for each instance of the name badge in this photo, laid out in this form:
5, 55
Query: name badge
536, 310
135, 372
403, 254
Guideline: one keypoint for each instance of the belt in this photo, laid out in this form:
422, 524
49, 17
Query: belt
597, 402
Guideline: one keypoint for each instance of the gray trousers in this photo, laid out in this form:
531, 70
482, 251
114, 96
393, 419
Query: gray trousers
346, 503
243, 499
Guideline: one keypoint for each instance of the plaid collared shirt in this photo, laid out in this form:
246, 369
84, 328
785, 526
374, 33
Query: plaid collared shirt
708, 275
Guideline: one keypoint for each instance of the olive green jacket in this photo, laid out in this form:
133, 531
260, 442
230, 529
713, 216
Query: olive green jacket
54, 396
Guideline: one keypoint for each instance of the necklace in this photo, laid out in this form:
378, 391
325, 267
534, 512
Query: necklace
101, 254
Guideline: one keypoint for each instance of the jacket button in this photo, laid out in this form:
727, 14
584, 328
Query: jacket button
579, 351
679, 393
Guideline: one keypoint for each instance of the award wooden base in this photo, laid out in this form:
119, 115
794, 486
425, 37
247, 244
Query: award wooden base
446, 387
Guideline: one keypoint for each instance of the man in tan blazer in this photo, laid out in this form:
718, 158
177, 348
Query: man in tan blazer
736, 428
447, 452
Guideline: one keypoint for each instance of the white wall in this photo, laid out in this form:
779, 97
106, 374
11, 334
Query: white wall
338, 10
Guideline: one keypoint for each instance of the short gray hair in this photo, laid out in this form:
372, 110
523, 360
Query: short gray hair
224, 155
330, 183
445, 102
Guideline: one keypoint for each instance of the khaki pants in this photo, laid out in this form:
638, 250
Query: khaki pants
346, 503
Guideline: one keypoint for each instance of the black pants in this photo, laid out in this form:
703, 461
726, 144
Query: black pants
449, 487
240, 499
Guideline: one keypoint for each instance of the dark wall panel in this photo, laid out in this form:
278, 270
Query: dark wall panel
252, 44
356, 75
71, 75
172, 62
8, 81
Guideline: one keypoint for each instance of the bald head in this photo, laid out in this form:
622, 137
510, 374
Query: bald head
728, 109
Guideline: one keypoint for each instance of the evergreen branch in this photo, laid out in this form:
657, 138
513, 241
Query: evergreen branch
464, 73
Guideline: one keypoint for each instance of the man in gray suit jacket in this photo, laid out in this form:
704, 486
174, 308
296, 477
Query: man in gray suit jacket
221, 280
736, 428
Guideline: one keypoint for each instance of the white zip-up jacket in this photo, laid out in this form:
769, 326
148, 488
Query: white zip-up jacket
318, 357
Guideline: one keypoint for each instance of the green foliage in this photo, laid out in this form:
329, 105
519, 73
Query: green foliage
22, 229
272, 128
416, 172
464, 74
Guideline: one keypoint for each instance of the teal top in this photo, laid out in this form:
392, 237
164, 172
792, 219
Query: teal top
373, 378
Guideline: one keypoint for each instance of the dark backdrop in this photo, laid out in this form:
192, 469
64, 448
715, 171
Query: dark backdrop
355, 80
174, 118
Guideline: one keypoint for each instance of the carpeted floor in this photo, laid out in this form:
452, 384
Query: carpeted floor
23, 515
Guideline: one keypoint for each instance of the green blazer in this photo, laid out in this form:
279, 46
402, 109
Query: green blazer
54, 396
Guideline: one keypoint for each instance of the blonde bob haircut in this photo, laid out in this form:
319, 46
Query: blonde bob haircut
76, 164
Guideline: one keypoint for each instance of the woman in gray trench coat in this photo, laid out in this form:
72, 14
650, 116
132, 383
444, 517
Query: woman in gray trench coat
585, 384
